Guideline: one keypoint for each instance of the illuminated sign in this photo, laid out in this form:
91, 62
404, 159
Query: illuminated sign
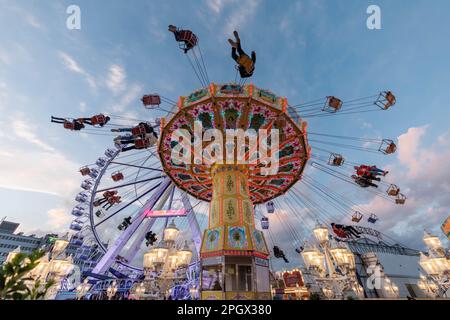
165, 213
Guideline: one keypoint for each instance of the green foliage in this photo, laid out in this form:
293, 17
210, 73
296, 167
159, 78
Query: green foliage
15, 282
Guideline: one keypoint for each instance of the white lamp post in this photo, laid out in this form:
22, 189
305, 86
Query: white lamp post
170, 234
161, 251
344, 258
149, 259
321, 233
328, 259
314, 259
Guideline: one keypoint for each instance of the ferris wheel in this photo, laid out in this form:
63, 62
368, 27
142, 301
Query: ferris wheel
125, 203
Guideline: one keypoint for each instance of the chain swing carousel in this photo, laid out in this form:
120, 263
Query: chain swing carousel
131, 193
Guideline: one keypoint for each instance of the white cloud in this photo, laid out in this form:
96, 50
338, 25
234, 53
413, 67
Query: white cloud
73, 66
217, 5
22, 130
5, 58
58, 218
33, 21
131, 95
155, 28
83, 106
408, 150
423, 174
240, 15
116, 79
40, 169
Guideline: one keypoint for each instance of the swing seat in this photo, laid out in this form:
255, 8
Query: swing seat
113, 200
357, 216
138, 131
68, 125
385, 100
401, 199
85, 171
117, 176
98, 119
393, 190
151, 101
332, 104
186, 39
336, 160
340, 233
142, 143
387, 146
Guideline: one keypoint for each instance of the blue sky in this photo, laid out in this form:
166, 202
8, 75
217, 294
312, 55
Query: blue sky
305, 50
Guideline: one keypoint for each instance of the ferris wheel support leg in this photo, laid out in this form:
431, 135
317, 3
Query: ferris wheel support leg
148, 224
110, 256
193, 224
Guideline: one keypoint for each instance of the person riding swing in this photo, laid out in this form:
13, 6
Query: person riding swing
246, 65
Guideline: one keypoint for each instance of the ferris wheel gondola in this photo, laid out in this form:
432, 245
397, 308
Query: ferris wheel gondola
265, 223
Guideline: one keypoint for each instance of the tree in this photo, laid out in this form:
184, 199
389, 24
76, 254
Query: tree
16, 282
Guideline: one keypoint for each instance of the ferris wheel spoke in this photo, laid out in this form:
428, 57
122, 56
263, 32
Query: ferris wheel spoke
129, 184
135, 166
127, 205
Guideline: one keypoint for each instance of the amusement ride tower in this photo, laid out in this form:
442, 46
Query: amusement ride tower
234, 254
